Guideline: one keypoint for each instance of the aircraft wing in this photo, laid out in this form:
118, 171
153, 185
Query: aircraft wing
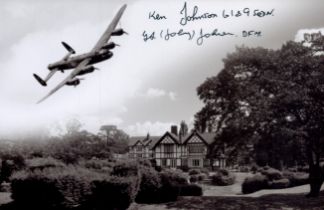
107, 34
103, 40
71, 76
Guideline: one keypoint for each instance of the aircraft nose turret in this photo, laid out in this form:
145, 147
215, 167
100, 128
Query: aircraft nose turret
50, 66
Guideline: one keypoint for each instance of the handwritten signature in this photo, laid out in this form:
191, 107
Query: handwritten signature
198, 36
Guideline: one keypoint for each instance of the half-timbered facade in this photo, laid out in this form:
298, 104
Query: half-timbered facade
172, 150
167, 151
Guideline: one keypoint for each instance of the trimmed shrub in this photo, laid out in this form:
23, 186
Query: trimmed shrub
52, 187
244, 169
10, 164
125, 169
149, 187
170, 182
202, 177
99, 165
279, 184
171, 177
254, 168
42, 163
205, 171
114, 192
194, 171
190, 190
303, 169
184, 168
255, 183
297, 178
223, 178
144, 162
158, 168
272, 174
193, 178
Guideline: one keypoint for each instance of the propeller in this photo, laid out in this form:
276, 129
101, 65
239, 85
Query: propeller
68, 48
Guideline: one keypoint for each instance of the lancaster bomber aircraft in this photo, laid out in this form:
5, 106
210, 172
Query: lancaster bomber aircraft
82, 64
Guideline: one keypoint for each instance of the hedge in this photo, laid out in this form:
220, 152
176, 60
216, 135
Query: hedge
223, 177
255, 183
149, 186
279, 184
42, 163
296, 178
194, 171
272, 174
52, 187
190, 190
125, 169
170, 182
114, 192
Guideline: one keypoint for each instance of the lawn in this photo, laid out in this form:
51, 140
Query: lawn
231, 190
271, 202
230, 197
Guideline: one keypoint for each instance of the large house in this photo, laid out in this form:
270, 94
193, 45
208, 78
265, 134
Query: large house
175, 150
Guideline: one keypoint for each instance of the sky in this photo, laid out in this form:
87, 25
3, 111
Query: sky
147, 86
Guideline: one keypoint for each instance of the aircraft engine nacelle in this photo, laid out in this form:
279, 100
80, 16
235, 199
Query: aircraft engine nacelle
118, 32
73, 82
109, 46
87, 70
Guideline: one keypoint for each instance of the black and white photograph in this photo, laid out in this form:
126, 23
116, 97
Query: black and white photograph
161, 105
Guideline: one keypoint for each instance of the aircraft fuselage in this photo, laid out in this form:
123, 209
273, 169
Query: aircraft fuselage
74, 61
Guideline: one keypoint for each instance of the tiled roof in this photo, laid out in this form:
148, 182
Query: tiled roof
143, 139
132, 140
153, 140
208, 137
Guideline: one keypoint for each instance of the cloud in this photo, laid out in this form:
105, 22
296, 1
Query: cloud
300, 33
172, 95
154, 128
153, 93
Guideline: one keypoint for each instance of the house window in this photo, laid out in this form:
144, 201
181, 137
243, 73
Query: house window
195, 162
139, 148
173, 163
168, 148
196, 148
184, 162
164, 162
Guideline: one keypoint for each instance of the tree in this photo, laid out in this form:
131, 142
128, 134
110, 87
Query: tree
116, 139
273, 99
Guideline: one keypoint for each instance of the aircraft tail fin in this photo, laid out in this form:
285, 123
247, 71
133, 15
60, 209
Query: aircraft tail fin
40, 80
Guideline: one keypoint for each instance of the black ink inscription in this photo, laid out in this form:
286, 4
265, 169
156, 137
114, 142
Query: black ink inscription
251, 33
187, 18
237, 13
181, 32
150, 36
215, 32
156, 16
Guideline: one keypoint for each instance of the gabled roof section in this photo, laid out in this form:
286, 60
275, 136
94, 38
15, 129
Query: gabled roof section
207, 138
132, 141
171, 135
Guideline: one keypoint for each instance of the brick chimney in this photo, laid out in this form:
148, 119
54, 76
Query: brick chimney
174, 129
